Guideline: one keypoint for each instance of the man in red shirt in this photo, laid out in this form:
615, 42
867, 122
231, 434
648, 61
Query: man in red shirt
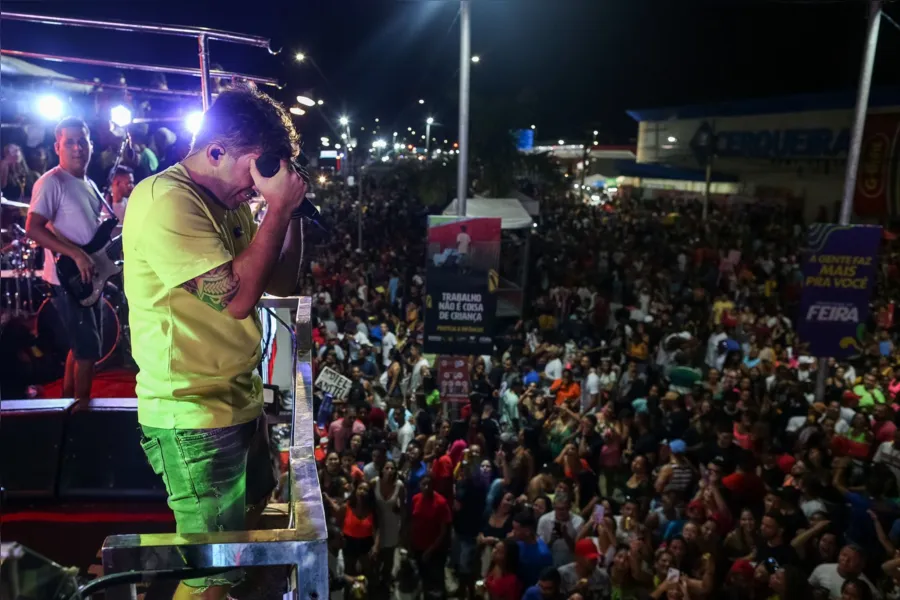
442, 470
883, 423
429, 526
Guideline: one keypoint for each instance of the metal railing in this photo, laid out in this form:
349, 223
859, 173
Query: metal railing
303, 544
203, 35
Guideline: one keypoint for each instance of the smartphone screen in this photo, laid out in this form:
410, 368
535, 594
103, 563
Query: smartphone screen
673, 575
599, 512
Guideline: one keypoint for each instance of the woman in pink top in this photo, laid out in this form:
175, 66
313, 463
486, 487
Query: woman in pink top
742, 430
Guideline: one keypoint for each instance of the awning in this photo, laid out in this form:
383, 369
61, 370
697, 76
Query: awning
659, 171
11, 66
510, 210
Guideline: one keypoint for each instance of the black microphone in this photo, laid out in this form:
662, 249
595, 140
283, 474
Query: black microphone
269, 164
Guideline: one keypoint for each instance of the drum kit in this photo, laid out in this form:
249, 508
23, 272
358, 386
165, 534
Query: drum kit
29, 319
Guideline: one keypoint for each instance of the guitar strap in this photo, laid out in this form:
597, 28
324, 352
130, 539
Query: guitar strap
103, 201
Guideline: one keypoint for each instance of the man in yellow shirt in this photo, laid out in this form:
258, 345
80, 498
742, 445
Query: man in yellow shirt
195, 267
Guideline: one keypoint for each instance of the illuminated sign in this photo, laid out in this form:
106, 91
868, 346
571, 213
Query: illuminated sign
817, 142
328, 154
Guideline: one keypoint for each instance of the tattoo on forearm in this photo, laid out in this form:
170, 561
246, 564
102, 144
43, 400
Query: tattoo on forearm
217, 287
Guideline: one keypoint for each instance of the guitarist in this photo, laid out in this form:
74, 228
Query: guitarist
196, 266
65, 211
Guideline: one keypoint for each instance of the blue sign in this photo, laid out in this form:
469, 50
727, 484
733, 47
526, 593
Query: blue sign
839, 273
525, 139
810, 143
817, 142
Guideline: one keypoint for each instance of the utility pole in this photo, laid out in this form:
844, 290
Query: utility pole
465, 51
859, 123
359, 209
584, 167
708, 186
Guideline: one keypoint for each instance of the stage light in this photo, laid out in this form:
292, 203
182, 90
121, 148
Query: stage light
306, 101
376, 119
322, 180
429, 120
320, 102
193, 122
296, 110
337, 146
421, 101
476, 59
120, 116
344, 121
50, 107
533, 127
561, 142
596, 132
300, 57
672, 139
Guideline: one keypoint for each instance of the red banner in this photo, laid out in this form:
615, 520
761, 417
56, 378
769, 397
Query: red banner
876, 185
453, 378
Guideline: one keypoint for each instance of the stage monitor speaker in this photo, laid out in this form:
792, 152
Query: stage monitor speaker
31, 436
102, 455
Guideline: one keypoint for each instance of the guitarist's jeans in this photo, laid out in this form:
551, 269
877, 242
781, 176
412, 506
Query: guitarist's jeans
81, 324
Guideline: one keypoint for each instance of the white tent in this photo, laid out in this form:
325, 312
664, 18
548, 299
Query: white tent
510, 210
11, 66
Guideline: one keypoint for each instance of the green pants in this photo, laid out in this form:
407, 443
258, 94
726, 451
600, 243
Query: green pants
211, 476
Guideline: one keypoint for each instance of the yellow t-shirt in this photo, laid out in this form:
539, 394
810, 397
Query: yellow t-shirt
197, 365
720, 307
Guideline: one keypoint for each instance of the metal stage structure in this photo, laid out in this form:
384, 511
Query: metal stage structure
303, 544
202, 34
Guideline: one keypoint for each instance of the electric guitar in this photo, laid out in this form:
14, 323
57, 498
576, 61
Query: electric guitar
105, 251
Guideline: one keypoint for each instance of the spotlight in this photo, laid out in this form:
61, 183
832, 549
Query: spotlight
50, 107
193, 122
306, 101
120, 116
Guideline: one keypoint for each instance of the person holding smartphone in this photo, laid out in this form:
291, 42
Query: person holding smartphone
559, 528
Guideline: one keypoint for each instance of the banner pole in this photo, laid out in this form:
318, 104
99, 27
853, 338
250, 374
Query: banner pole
859, 124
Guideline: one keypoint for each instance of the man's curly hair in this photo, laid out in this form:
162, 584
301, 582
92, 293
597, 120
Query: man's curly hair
244, 120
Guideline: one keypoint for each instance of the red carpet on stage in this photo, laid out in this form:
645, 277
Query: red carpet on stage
114, 383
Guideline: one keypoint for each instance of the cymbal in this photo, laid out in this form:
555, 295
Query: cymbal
6, 202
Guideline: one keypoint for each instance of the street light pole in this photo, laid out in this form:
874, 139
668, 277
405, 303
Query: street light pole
359, 208
465, 51
859, 123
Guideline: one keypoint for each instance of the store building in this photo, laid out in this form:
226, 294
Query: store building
790, 149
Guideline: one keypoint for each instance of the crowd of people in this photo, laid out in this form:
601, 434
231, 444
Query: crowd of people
648, 430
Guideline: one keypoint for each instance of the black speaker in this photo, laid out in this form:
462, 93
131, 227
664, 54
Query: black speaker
31, 436
102, 455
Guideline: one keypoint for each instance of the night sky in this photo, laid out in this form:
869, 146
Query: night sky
583, 62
